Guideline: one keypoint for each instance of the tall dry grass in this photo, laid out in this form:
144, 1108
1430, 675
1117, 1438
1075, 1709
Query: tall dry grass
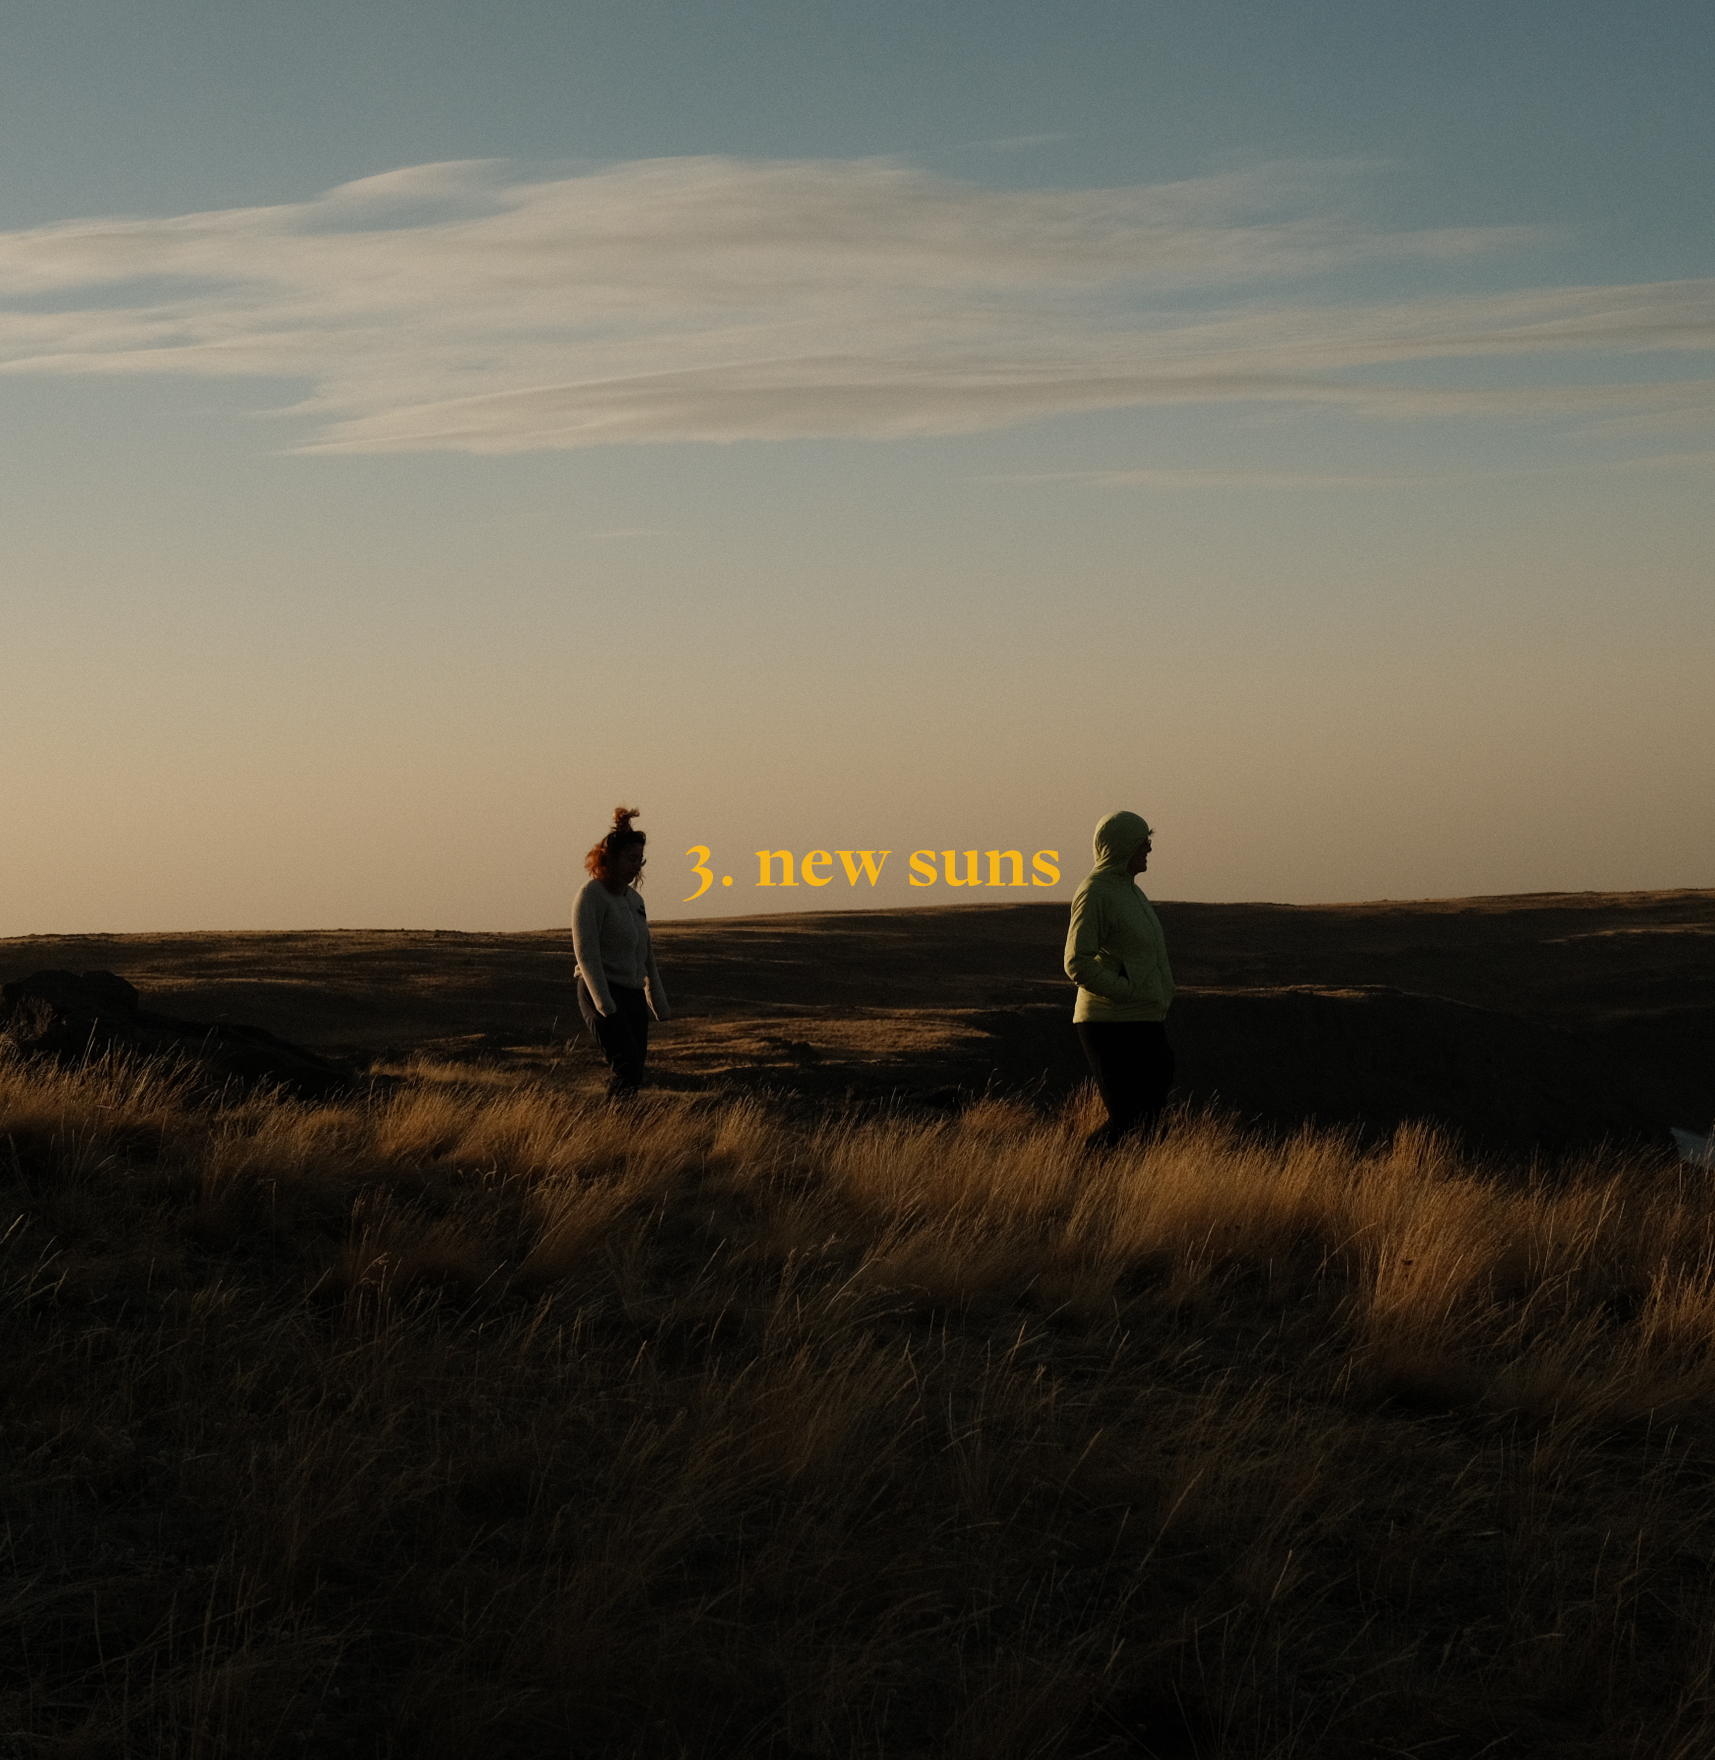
480, 1419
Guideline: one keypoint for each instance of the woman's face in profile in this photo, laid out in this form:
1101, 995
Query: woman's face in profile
1140, 858
628, 864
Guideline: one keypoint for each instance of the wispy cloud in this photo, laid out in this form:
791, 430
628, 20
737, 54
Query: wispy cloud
1172, 477
1181, 477
1016, 143
455, 307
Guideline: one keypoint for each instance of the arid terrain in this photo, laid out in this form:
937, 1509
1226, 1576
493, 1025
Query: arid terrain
1546, 1021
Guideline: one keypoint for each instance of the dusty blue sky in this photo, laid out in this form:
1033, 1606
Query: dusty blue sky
898, 426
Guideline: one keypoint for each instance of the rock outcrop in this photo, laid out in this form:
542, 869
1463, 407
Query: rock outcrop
72, 1016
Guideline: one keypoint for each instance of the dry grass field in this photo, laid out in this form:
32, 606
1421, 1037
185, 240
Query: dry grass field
480, 1418
817, 1405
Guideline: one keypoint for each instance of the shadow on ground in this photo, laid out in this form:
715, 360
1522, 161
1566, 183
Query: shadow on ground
1544, 1022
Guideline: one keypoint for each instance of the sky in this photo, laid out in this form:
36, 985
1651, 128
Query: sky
907, 427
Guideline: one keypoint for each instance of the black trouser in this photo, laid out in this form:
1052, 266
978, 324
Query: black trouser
623, 1035
1133, 1066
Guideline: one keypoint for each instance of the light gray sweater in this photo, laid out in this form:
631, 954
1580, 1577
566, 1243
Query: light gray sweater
610, 936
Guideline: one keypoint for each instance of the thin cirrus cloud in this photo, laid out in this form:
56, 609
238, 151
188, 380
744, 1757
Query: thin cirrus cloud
1177, 477
460, 307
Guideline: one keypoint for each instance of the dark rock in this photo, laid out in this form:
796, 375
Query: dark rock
103, 991
70, 1017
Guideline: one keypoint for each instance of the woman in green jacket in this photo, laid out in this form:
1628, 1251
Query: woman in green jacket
1117, 956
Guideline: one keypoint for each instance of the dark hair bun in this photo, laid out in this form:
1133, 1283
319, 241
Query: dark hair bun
599, 861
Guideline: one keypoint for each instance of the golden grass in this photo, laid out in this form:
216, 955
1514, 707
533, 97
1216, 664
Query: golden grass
482, 1419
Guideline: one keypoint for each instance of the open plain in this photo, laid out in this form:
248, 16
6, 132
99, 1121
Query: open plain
1547, 1021
828, 1400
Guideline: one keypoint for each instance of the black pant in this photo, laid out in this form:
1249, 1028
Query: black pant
623, 1035
1133, 1066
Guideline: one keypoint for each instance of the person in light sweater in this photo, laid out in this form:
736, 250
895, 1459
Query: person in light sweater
619, 986
1117, 956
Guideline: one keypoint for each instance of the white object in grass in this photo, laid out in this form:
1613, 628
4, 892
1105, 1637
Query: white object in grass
1699, 1151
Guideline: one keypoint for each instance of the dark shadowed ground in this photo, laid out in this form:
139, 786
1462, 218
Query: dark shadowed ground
1544, 1020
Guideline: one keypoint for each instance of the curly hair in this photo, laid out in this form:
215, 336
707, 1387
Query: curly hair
601, 858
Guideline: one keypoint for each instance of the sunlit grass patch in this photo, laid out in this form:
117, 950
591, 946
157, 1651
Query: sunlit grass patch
480, 1416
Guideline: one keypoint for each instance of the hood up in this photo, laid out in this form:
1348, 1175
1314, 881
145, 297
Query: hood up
1117, 839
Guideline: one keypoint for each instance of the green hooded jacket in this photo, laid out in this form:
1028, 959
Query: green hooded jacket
1115, 951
